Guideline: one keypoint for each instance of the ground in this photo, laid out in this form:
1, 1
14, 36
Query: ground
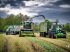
14, 43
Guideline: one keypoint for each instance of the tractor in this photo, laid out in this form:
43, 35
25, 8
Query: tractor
51, 29
56, 31
27, 27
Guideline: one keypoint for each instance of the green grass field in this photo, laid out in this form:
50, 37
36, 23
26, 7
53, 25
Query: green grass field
14, 43
1, 42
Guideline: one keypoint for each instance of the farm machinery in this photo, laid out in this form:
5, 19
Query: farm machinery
56, 31
13, 29
27, 28
46, 28
52, 29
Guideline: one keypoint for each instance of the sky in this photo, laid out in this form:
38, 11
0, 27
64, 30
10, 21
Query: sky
51, 9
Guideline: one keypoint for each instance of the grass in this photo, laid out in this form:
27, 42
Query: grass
1, 42
47, 45
58, 42
34, 44
67, 39
61, 42
15, 44
21, 44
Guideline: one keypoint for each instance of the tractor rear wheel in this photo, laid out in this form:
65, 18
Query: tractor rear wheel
52, 35
42, 34
19, 33
7, 33
64, 36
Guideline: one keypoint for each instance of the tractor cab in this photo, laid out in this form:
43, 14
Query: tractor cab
27, 25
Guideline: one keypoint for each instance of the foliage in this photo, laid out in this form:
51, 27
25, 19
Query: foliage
48, 24
1, 42
67, 27
12, 20
2, 24
49, 47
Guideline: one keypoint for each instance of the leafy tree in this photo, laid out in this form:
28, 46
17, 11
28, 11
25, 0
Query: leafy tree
67, 27
23, 17
10, 20
48, 24
2, 24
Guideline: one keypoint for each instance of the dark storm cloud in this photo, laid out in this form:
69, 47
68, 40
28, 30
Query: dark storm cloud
62, 2
59, 9
3, 3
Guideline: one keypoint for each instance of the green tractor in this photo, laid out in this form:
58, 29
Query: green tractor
46, 28
54, 30
57, 31
27, 27
51, 29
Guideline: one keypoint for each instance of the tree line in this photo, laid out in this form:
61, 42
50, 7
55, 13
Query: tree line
11, 20
18, 19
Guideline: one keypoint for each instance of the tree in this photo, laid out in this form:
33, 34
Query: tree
2, 24
23, 17
67, 27
48, 24
10, 20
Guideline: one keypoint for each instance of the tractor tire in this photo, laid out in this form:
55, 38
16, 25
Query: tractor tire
42, 34
49, 34
20, 34
7, 33
64, 34
52, 35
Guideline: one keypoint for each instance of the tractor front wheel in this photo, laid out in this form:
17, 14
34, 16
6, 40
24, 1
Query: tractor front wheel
64, 34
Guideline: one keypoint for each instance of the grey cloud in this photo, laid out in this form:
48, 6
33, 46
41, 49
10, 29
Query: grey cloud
52, 11
3, 14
